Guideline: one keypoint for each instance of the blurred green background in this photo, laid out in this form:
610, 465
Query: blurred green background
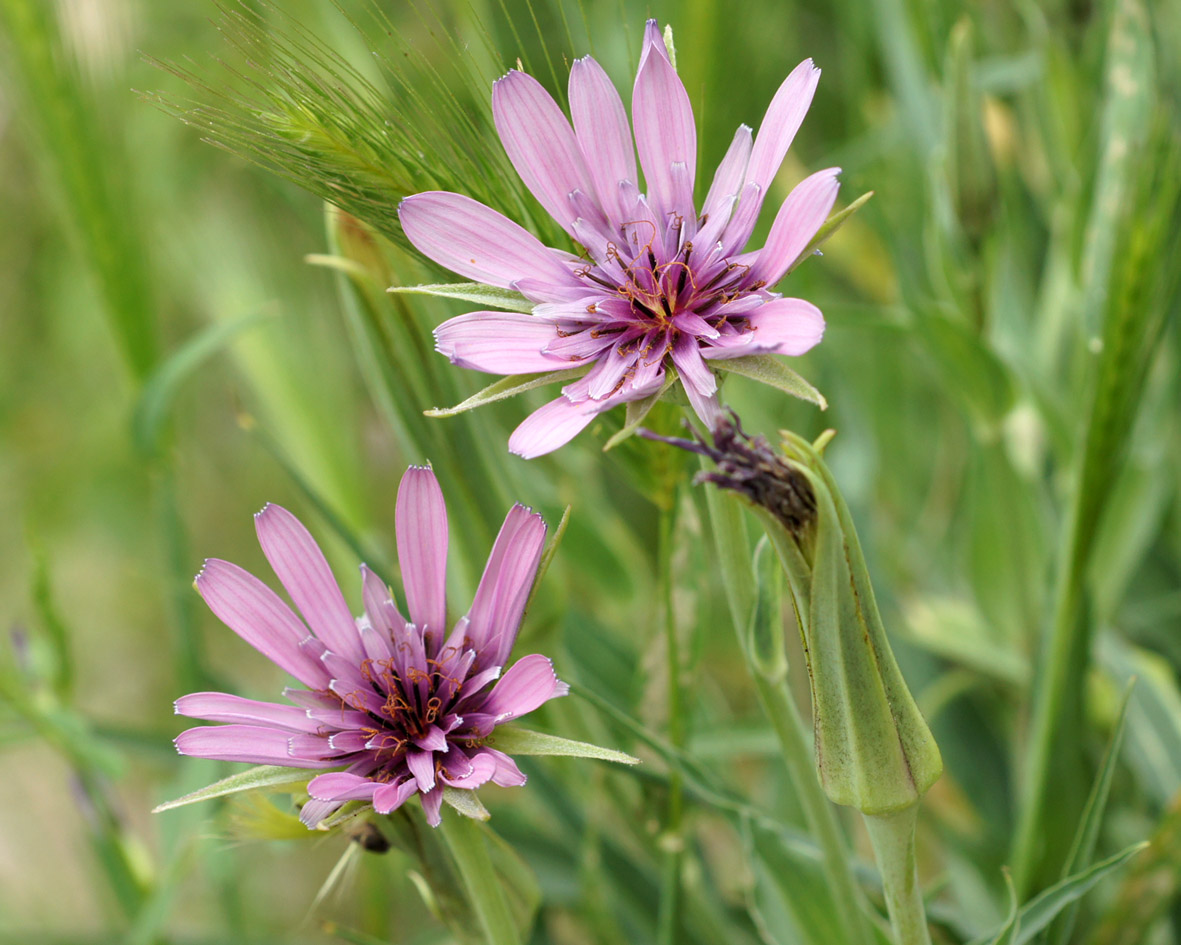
1000, 367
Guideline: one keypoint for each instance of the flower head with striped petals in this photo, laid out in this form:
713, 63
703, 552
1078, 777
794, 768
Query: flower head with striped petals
400, 706
657, 284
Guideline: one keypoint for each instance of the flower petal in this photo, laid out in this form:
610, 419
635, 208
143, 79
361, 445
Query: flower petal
301, 566
499, 604
341, 786
258, 615
729, 176
475, 241
223, 707
549, 427
379, 604
604, 136
784, 116
422, 766
481, 770
787, 326
695, 373
420, 523
506, 773
529, 683
431, 804
540, 144
256, 744
500, 343
389, 797
802, 214
665, 133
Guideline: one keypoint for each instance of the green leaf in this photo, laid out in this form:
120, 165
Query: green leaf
1088, 831
768, 369
523, 741
507, 387
263, 776
161, 387
830, 226
637, 410
547, 556
1040, 911
477, 292
466, 803
1007, 934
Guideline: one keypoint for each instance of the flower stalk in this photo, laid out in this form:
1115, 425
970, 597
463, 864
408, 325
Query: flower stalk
465, 841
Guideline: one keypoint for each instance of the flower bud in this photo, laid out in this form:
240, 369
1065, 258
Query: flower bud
874, 750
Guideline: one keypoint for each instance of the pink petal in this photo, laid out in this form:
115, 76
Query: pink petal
507, 774
422, 766
787, 326
480, 771
540, 144
475, 241
500, 343
255, 744
499, 604
389, 797
420, 522
695, 373
302, 568
257, 614
431, 804
743, 219
665, 133
433, 740
380, 608
549, 427
729, 176
600, 123
314, 811
802, 214
223, 707
529, 683
784, 116
341, 786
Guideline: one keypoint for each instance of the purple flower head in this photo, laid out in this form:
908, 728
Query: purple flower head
658, 284
402, 707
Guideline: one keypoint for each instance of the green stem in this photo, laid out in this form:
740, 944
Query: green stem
892, 836
818, 811
794, 742
673, 839
465, 840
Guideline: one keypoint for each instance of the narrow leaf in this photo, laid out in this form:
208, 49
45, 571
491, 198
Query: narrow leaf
507, 387
161, 387
1088, 831
547, 556
466, 803
1007, 934
263, 776
768, 369
830, 226
1040, 911
637, 410
477, 292
523, 741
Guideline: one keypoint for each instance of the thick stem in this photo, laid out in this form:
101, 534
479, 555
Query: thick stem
673, 840
466, 842
892, 836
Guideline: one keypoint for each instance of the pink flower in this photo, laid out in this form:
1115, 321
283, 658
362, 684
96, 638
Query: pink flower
657, 284
401, 706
